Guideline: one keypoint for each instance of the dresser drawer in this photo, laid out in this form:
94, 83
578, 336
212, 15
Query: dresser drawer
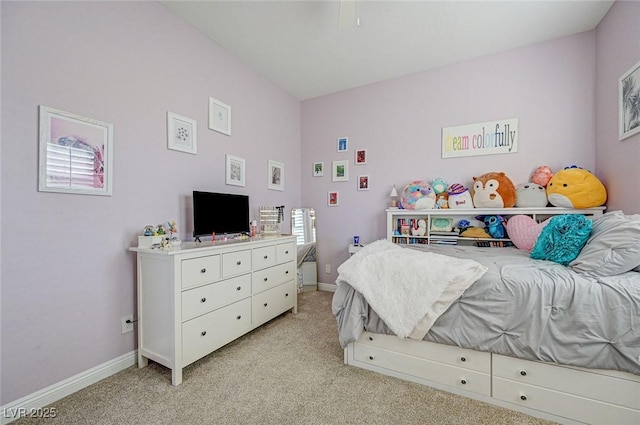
441, 353
263, 257
452, 376
201, 300
196, 271
285, 252
273, 276
272, 302
235, 263
207, 333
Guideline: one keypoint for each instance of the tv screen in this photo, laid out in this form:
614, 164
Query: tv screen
220, 213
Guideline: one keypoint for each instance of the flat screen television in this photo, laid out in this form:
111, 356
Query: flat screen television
220, 213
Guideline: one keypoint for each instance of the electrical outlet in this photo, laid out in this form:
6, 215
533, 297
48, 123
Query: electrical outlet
327, 268
127, 323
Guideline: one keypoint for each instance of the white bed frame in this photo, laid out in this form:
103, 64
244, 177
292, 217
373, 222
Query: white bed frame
565, 394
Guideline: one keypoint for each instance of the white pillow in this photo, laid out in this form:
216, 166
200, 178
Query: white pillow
613, 247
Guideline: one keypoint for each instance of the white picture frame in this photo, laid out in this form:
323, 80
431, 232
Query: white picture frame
340, 171
360, 157
235, 170
91, 141
342, 144
629, 103
182, 133
318, 169
333, 198
219, 116
275, 175
363, 182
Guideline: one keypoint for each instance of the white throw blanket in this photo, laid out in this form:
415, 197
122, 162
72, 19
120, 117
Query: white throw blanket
408, 289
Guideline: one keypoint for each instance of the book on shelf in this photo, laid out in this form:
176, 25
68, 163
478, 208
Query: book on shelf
443, 233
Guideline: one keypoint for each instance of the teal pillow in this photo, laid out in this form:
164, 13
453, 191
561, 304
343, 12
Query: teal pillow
562, 239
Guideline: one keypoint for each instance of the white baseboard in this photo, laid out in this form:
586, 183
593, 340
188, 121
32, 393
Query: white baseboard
331, 287
31, 403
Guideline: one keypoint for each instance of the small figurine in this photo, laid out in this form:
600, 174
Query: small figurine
148, 230
160, 230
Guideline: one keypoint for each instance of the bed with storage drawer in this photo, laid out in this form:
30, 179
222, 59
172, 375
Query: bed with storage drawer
553, 341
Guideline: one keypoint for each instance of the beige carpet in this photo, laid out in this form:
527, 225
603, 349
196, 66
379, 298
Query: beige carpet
289, 371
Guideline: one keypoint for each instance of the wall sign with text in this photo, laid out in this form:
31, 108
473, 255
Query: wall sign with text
485, 138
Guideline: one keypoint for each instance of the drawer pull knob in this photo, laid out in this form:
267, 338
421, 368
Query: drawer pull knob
265, 279
370, 338
523, 372
265, 257
238, 317
265, 304
203, 333
463, 359
370, 357
203, 300
286, 295
287, 272
238, 288
238, 263
203, 270
463, 382
286, 252
523, 397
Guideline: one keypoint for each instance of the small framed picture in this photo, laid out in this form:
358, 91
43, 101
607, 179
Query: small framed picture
363, 182
340, 171
343, 144
181, 133
333, 199
318, 169
361, 156
76, 153
629, 103
235, 171
219, 116
276, 175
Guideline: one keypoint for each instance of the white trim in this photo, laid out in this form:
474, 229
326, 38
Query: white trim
329, 287
55, 392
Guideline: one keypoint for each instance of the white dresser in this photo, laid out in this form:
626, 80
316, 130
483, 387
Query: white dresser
197, 298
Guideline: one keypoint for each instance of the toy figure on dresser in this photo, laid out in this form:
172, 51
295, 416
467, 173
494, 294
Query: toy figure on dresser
575, 187
459, 197
531, 195
417, 195
493, 190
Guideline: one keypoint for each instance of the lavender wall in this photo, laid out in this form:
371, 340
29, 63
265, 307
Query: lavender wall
67, 277
550, 87
618, 49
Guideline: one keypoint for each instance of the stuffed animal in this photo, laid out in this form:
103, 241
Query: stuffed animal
575, 187
459, 197
420, 228
542, 175
417, 195
442, 200
494, 225
493, 190
439, 186
531, 195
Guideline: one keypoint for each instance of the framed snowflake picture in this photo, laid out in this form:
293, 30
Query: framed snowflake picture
181, 133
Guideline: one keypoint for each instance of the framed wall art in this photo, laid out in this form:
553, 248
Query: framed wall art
181, 133
219, 116
340, 171
629, 103
276, 175
318, 169
333, 199
343, 144
363, 182
76, 153
235, 171
361, 156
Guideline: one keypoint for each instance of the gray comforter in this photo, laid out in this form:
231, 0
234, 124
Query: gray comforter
531, 309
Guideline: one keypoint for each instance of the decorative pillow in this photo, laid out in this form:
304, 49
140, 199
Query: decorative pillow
524, 231
562, 238
614, 246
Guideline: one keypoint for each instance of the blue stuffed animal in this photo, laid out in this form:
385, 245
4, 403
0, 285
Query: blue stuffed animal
494, 225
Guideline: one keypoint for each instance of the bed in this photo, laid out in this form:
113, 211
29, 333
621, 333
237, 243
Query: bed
554, 341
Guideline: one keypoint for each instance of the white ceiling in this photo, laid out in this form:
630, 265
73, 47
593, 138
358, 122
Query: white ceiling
309, 49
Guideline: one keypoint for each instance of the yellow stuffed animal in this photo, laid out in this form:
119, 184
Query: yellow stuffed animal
575, 187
